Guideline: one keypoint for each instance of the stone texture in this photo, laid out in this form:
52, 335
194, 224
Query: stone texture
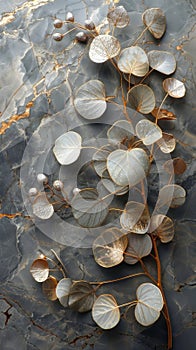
39, 78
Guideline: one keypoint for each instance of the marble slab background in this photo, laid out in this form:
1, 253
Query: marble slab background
34, 87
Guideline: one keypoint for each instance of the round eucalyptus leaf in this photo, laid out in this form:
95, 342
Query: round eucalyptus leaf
135, 217
103, 48
138, 247
172, 195
67, 147
174, 87
176, 165
109, 247
148, 132
150, 303
41, 207
49, 288
163, 227
88, 209
39, 270
162, 61
120, 130
141, 98
167, 143
90, 101
62, 290
127, 168
118, 17
106, 312
81, 296
100, 158
155, 20
133, 60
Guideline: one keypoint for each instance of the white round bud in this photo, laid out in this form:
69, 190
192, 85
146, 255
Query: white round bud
42, 179
58, 185
76, 190
33, 191
70, 17
58, 23
81, 37
57, 36
89, 24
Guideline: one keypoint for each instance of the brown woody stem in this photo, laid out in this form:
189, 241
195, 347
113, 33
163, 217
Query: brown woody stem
159, 284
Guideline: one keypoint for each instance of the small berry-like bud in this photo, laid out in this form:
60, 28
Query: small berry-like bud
76, 190
57, 23
70, 17
42, 179
89, 24
58, 185
57, 36
81, 37
33, 191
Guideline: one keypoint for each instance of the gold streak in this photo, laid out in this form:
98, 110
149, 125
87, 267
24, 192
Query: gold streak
14, 118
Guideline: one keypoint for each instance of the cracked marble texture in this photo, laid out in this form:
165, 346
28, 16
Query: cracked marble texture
38, 80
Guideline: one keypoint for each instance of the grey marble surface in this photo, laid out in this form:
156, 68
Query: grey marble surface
38, 79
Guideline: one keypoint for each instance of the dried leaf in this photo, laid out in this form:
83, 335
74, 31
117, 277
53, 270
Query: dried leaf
167, 143
109, 247
135, 217
49, 288
133, 60
150, 303
176, 165
90, 101
162, 61
103, 48
118, 17
163, 114
40, 270
88, 209
63, 290
41, 207
127, 168
141, 98
148, 132
67, 147
138, 247
106, 312
81, 296
155, 20
174, 87
163, 227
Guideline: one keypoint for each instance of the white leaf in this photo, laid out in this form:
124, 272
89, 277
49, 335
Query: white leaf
150, 303
105, 311
103, 47
90, 101
67, 147
127, 168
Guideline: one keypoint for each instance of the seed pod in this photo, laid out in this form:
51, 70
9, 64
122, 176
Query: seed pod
42, 179
57, 36
70, 17
58, 185
33, 191
57, 23
89, 24
81, 37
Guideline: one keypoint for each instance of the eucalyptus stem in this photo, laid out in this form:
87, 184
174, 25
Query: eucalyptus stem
118, 279
139, 37
159, 284
130, 303
60, 268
